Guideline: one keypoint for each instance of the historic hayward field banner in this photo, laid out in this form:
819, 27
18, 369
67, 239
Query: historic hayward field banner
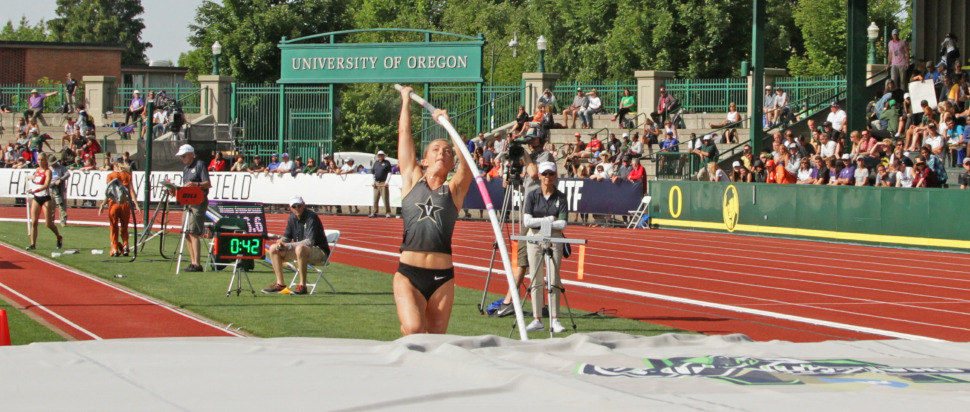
427, 62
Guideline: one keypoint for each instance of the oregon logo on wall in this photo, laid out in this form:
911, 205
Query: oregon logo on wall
731, 207
783, 371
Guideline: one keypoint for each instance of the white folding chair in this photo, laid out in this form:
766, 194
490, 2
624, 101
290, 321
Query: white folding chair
332, 237
638, 214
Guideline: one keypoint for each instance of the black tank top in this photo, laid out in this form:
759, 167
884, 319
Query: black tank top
429, 219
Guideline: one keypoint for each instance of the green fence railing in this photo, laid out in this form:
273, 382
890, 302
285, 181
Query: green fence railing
676, 165
609, 92
810, 92
15, 96
188, 95
710, 95
280, 118
498, 111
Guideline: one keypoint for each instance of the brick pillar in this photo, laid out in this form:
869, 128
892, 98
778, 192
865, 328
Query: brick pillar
99, 95
216, 91
649, 83
535, 84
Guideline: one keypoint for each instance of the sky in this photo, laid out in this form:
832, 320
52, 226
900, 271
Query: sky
166, 22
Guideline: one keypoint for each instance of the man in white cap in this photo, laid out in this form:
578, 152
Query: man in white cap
304, 240
381, 168
285, 166
136, 108
546, 203
195, 174
35, 106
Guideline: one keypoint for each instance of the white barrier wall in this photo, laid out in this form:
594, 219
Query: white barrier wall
328, 189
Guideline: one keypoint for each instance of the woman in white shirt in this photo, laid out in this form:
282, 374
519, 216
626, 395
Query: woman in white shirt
717, 175
805, 172
731, 122
595, 106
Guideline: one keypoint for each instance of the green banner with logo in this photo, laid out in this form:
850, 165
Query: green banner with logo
437, 62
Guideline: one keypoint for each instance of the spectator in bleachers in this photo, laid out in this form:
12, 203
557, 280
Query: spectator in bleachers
256, 166
793, 159
950, 50
805, 172
636, 146
85, 123
328, 165
758, 174
240, 164
665, 103
805, 148
218, 163
285, 165
731, 123
846, 176
834, 168
964, 178
627, 103
37, 143
499, 144
579, 102
898, 58
637, 174
547, 98
782, 108
593, 106
650, 135
935, 164
918, 123
623, 170
670, 144
828, 148
747, 157
159, 122
90, 165
883, 177
273, 163
736, 171
707, 151
311, 167
521, 121
861, 173
298, 166
905, 171
136, 108
768, 106
478, 142
820, 171
600, 173
70, 130
35, 106
923, 176
777, 149
934, 140
716, 173
348, 167
837, 118
888, 118
614, 146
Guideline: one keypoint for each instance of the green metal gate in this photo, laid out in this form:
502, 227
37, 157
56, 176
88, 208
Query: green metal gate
281, 118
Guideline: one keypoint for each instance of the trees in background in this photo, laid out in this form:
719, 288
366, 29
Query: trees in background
102, 21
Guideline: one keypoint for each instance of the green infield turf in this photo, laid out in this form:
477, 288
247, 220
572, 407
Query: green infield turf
24, 329
363, 308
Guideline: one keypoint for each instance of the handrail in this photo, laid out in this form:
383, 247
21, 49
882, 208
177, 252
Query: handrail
453, 117
727, 154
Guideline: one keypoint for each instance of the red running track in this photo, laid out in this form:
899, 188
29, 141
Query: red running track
84, 307
714, 283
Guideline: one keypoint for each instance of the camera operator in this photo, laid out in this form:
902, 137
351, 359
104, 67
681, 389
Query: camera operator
522, 171
194, 174
546, 203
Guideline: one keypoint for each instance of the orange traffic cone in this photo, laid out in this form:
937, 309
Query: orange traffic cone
4, 329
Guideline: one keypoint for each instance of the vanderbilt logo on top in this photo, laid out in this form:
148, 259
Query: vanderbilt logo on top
730, 207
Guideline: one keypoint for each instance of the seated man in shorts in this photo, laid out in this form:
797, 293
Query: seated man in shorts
304, 241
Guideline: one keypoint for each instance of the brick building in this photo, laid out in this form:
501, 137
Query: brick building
27, 62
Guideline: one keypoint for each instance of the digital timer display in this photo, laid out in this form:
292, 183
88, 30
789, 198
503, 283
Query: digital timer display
239, 246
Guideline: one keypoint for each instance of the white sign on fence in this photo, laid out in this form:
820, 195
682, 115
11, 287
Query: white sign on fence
327, 189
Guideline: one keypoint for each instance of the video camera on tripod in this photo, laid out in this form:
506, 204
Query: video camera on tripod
514, 164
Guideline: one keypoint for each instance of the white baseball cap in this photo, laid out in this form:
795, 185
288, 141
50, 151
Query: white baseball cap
185, 149
626, 135
736, 164
381, 152
547, 167
846, 157
296, 200
136, 92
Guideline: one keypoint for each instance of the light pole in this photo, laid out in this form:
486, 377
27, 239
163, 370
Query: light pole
513, 44
216, 51
872, 33
541, 45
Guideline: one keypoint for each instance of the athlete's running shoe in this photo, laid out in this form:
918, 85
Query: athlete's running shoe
298, 290
276, 288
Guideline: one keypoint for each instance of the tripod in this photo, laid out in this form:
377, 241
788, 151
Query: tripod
547, 243
160, 209
508, 203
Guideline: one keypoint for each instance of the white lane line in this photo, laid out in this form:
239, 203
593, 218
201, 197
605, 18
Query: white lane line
121, 289
731, 308
51, 312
